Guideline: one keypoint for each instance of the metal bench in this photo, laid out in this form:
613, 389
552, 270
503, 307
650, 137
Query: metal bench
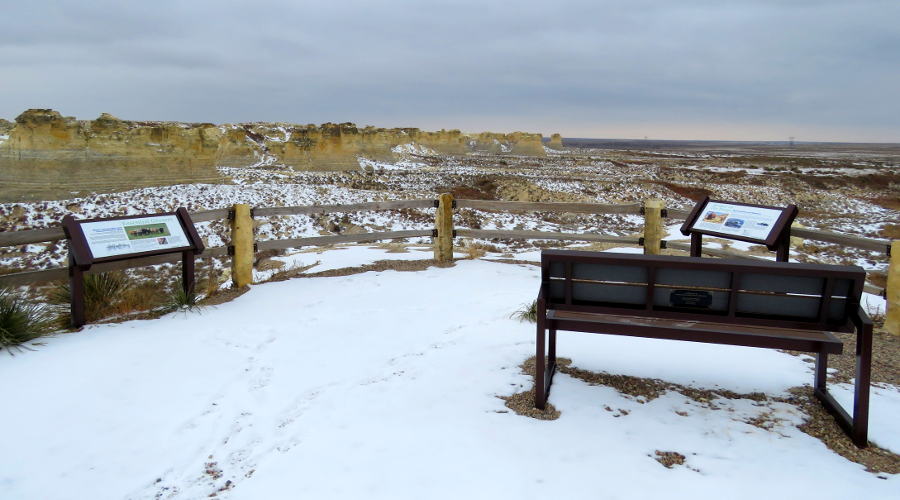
778, 305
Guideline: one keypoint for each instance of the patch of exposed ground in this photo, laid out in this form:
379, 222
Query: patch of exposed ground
523, 404
819, 423
377, 266
669, 459
224, 296
693, 193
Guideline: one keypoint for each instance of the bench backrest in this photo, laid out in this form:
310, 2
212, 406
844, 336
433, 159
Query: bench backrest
786, 294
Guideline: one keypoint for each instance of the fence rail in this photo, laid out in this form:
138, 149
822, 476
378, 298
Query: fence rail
488, 234
578, 208
842, 239
444, 234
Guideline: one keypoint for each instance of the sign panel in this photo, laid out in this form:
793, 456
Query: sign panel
738, 220
109, 238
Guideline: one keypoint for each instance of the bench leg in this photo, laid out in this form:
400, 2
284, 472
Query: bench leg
551, 350
544, 364
540, 395
857, 426
821, 371
861, 390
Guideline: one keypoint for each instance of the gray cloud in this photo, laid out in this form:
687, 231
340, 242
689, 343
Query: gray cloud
714, 69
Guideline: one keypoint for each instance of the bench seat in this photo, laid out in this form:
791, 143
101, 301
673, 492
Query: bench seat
697, 331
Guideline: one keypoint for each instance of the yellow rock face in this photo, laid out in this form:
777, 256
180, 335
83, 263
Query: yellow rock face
45, 155
48, 155
556, 141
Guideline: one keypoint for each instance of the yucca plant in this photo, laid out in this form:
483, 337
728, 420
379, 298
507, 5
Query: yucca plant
20, 321
102, 293
179, 300
528, 313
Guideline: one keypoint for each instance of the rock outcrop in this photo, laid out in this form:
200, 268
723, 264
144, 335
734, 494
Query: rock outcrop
556, 141
46, 155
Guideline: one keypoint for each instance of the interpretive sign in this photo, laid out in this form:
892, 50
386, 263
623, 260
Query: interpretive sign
93, 241
765, 225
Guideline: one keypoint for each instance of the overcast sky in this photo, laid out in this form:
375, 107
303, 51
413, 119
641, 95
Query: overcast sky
678, 69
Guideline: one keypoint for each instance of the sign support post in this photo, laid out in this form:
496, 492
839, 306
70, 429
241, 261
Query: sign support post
76, 292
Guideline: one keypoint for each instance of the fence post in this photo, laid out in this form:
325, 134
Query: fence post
242, 245
892, 291
443, 223
653, 227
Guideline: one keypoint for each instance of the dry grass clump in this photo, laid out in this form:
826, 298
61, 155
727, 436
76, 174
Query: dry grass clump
476, 249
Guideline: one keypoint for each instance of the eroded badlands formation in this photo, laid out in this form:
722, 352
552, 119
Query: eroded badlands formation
45, 155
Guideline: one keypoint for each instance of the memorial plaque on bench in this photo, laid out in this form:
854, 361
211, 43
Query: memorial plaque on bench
690, 298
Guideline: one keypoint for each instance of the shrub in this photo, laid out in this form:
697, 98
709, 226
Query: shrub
20, 321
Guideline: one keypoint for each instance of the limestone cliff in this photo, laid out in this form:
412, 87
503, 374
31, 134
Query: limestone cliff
46, 155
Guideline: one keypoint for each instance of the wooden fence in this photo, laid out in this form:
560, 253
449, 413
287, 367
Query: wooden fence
243, 245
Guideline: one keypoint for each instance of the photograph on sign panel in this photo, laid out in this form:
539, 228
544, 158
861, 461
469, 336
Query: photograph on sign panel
715, 217
148, 231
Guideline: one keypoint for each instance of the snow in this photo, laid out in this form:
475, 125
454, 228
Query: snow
404, 164
387, 385
882, 422
413, 149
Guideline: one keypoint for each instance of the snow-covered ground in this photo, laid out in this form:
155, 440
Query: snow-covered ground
387, 385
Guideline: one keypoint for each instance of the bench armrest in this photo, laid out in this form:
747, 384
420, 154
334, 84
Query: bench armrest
541, 302
861, 319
